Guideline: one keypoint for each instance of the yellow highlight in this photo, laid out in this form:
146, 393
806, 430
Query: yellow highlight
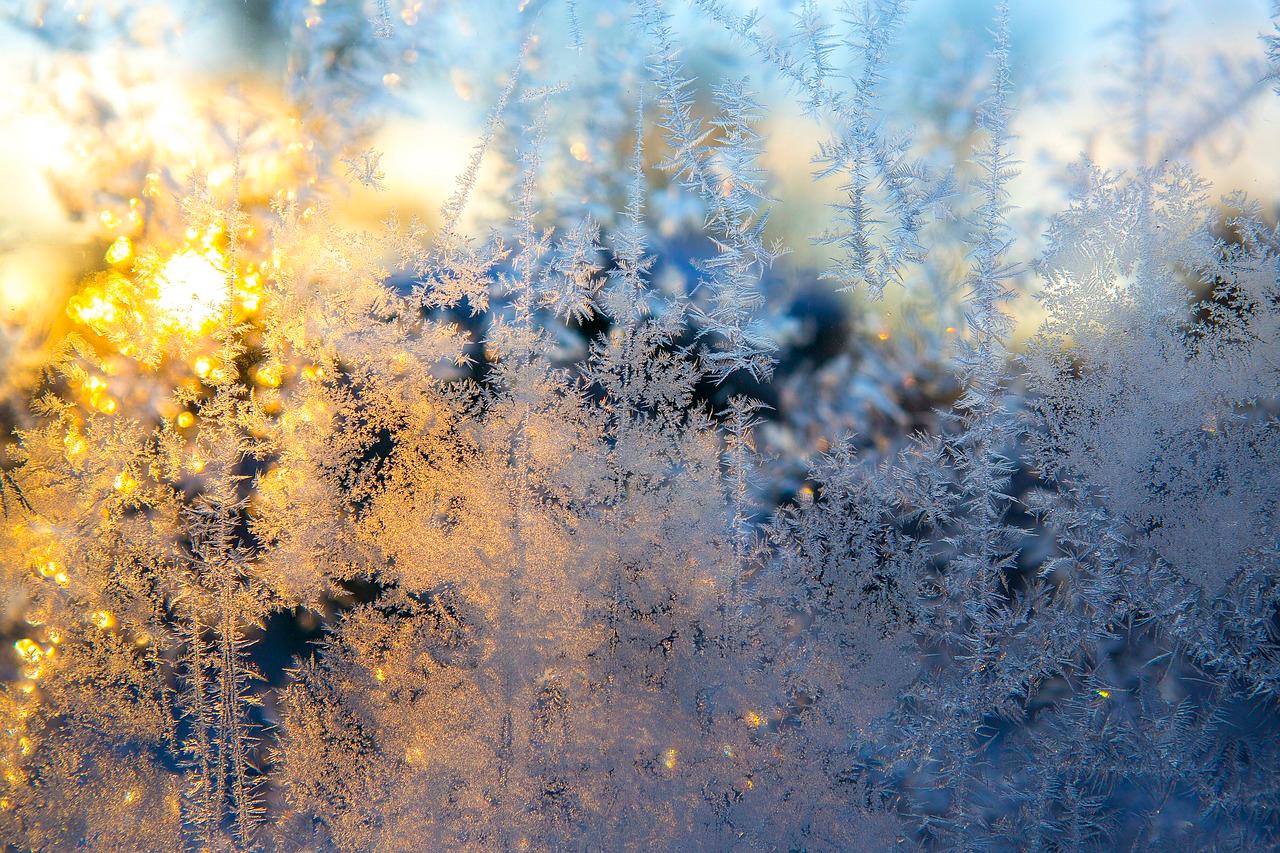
125, 483
29, 650
74, 444
248, 291
103, 619
92, 307
190, 291
751, 718
1105, 694
269, 375
184, 420
119, 251
669, 758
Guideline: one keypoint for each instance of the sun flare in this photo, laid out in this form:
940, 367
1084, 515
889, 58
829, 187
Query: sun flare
191, 291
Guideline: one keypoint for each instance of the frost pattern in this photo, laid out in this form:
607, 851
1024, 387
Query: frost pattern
562, 592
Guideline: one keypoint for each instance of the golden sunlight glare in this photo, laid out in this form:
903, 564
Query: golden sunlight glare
190, 290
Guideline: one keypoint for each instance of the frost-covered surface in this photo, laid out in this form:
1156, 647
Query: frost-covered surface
590, 510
